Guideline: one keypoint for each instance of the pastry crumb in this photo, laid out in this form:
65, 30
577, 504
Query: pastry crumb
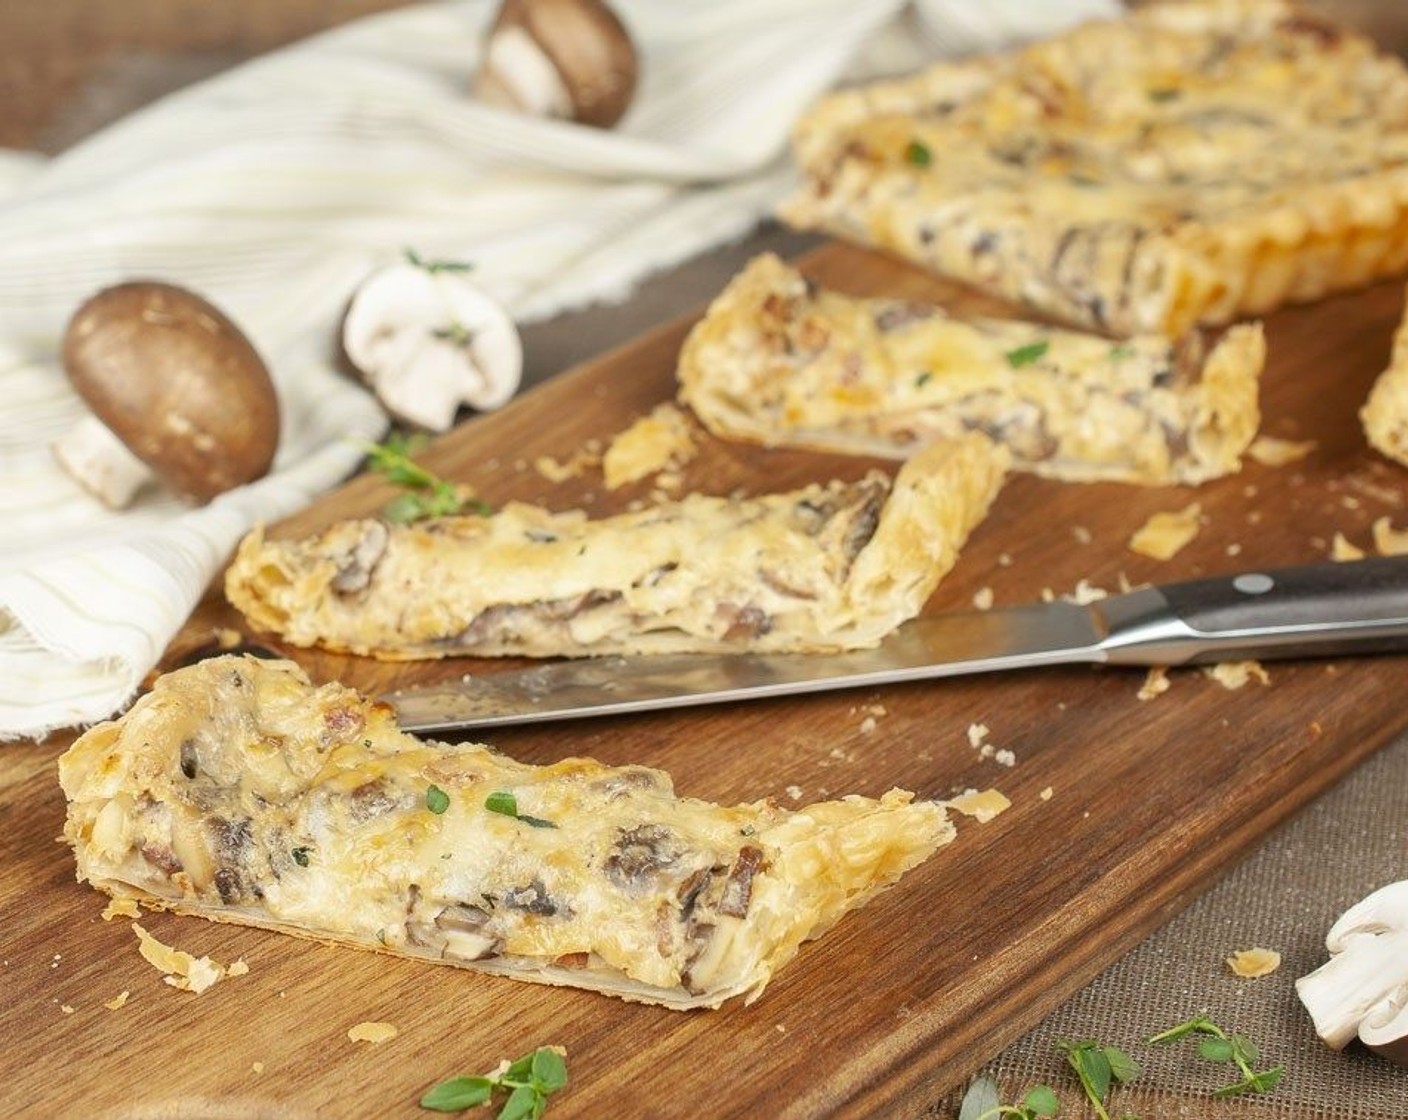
795, 792
867, 725
66, 1008
1081, 534
560, 470
183, 971
1251, 963
1085, 592
1233, 675
257, 1067
1389, 541
981, 806
373, 1032
982, 599
118, 1001
652, 444
1005, 757
1272, 452
1004, 560
1156, 683
120, 908
977, 732
1342, 549
1047, 794
1167, 533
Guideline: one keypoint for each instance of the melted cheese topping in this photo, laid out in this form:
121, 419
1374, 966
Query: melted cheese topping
237, 791
826, 567
780, 361
1197, 160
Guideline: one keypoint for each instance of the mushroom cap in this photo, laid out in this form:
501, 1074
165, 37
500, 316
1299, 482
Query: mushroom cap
177, 382
590, 48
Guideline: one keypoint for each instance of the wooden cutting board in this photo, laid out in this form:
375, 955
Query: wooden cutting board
1123, 809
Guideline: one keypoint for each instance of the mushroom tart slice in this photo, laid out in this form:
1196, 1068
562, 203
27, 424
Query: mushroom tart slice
782, 362
822, 568
237, 791
178, 395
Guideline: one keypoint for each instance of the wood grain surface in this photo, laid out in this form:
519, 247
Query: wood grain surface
1123, 810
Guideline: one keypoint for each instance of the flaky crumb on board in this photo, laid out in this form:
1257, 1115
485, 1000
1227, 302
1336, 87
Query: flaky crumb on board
983, 599
977, 732
372, 1032
120, 908
1251, 963
1272, 452
118, 1001
1047, 793
1389, 541
184, 971
1165, 534
1086, 592
1342, 549
1233, 675
560, 470
982, 806
1156, 683
655, 442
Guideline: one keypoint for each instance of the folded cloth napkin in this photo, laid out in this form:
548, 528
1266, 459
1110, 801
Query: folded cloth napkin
275, 188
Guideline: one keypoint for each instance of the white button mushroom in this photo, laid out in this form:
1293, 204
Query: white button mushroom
427, 340
570, 59
177, 393
1363, 989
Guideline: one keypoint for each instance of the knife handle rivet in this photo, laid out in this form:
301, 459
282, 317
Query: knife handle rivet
1254, 583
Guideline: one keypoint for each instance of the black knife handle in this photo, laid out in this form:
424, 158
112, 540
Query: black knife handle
1359, 606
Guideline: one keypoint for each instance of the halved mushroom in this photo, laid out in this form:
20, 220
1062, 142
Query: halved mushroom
1363, 989
177, 393
571, 59
428, 340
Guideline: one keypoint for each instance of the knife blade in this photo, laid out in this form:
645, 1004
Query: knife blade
1315, 610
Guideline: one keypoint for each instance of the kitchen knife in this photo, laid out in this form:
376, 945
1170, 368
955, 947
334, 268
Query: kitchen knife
1318, 610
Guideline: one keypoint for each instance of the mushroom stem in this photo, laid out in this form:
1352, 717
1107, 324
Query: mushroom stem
101, 463
518, 74
1341, 992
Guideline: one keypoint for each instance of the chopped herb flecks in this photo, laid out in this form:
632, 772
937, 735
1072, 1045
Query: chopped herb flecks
918, 154
506, 804
300, 856
436, 800
437, 266
1026, 355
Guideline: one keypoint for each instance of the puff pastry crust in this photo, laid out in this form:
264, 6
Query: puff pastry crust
778, 361
823, 568
1191, 162
237, 791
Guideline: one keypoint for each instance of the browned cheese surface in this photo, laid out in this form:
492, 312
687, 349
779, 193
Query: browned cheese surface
1149, 801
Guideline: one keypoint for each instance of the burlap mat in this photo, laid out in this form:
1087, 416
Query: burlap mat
1284, 897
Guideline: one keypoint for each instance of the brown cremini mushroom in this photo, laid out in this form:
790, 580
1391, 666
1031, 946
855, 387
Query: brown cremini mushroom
177, 393
571, 59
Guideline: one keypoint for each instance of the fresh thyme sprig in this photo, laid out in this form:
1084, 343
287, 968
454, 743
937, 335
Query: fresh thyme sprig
529, 1082
433, 267
981, 1102
1098, 1068
1217, 1045
427, 494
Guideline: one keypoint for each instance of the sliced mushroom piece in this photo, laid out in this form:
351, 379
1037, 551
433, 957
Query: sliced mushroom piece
1363, 989
428, 341
177, 394
571, 59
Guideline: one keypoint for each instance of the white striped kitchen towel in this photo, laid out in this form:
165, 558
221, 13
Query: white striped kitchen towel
274, 188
